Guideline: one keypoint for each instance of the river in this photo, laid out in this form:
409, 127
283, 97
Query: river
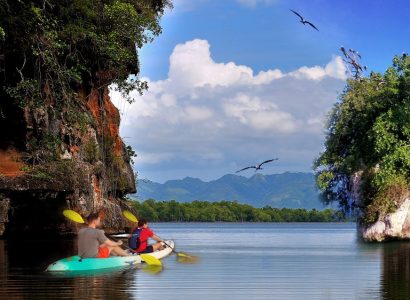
237, 261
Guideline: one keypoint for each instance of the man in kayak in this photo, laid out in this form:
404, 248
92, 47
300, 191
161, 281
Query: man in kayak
139, 239
92, 242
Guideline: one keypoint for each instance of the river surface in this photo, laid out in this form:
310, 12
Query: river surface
237, 261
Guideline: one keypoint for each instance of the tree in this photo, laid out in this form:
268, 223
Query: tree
55, 48
368, 135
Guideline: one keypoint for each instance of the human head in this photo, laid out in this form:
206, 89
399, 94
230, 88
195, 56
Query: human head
142, 222
94, 217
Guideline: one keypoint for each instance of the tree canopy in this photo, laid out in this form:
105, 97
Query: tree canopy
54, 48
227, 211
368, 136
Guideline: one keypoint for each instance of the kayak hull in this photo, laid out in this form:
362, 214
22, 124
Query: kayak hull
165, 252
75, 263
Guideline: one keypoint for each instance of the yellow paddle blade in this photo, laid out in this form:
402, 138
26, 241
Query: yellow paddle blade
152, 269
187, 258
151, 260
130, 216
73, 216
183, 254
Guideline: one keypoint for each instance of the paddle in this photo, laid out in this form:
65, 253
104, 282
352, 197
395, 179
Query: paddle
151, 260
134, 219
73, 216
76, 217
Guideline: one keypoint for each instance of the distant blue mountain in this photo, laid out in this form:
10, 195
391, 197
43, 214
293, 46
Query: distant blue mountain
291, 190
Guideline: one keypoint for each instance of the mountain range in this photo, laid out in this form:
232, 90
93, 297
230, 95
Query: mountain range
291, 190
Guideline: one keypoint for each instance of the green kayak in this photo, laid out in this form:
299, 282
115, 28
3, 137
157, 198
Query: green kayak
75, 263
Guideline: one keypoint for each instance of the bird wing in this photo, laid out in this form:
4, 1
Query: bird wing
301, 18
244, 169
269, 160
311, 25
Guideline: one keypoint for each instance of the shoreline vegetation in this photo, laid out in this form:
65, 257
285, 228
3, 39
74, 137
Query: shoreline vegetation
229, 211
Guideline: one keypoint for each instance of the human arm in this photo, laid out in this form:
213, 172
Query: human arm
108, 242
157, 238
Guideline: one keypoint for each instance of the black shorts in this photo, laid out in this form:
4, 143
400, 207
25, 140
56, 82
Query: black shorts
149, 249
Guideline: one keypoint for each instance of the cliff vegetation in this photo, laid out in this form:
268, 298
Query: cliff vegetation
366, 163
59, 139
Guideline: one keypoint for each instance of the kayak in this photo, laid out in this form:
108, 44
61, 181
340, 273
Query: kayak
76, 263
164, 252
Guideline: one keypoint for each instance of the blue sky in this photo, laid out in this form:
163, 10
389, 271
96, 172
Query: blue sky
267, 34
235, 82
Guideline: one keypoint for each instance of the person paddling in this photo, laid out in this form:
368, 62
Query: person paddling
139, 239
92, 242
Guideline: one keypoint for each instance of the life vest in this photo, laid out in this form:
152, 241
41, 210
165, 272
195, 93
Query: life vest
134, 241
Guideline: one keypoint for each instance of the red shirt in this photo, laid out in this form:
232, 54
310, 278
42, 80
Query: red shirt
145, 234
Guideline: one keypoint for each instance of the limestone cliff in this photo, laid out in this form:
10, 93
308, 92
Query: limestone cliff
393, 220
394, 225
53, 160
59, 141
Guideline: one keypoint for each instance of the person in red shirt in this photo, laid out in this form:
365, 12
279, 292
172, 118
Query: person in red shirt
144, 234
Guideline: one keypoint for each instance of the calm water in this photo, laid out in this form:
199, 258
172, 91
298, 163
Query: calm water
237, 261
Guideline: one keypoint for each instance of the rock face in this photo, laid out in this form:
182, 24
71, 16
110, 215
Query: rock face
392, 226
52, 160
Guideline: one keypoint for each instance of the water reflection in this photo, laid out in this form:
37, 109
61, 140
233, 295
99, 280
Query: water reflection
395, 281
283, 261
22, 274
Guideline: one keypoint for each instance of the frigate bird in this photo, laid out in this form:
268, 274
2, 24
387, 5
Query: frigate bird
302, 20
257, 167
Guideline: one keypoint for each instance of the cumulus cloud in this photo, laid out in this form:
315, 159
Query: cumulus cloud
208, 117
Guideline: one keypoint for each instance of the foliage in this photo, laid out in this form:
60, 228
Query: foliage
54, 47
42, 148
369, 134
227, 211
131, 153
2, 34
91, 151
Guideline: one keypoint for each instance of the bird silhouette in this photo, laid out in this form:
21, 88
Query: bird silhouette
257, 167
302, 20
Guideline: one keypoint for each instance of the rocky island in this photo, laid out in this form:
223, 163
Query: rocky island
366, 163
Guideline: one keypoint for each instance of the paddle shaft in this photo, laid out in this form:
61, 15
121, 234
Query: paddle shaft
173, 250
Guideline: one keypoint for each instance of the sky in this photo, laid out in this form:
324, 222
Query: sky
233, 83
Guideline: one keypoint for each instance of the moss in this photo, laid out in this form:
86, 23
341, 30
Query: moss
42, 149
78, 119
91, 152
386, 201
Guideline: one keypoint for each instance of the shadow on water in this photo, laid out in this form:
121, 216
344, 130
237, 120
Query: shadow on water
395, 277
22, 274
288, 261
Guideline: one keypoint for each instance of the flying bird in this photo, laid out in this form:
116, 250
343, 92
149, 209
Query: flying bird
257, 167
302, 20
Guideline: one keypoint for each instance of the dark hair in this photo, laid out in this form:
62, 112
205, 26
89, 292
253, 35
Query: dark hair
92, 216
142, 222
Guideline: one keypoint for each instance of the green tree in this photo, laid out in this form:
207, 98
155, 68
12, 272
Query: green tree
227, 211
369, 135
55, 48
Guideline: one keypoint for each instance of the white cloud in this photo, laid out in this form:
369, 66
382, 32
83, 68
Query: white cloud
191, 66
335, 68
207, 116
259, 114
197, 114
